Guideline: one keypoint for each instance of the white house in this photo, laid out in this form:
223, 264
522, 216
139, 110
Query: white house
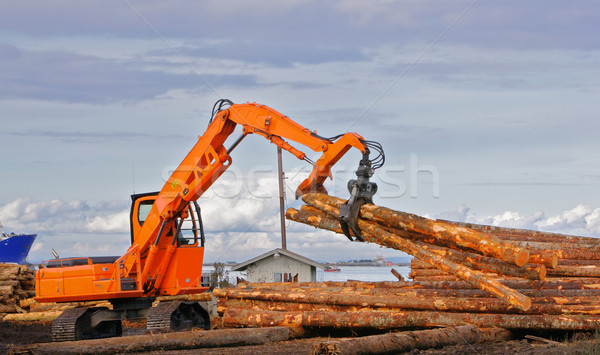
279, 265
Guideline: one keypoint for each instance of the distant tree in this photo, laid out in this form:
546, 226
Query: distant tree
219, 277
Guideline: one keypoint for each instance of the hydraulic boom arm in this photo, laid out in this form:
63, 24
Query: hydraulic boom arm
208, 159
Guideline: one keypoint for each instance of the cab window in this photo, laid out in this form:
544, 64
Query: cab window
144, 210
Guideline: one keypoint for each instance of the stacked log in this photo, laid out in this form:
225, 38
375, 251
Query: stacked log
576, 256
387, 305
474, 253
462, 274
17, 282
462, 252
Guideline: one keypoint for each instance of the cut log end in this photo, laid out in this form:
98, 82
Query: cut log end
522, 257
547, 258
542, 271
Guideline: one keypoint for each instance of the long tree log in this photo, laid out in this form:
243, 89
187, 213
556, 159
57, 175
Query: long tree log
428, 272
335, 302
574, 262
405, 319
418, 291
374, 234
420, 264
258, 305
576, 271
529, 235
483, 263
6, 290
485, 243
33, 316
542, 257
556, 246
397, 274
549, 283
452, 304
166, 341
394, 343
434, 278
8, 308
577, 254
13, 283
199, 297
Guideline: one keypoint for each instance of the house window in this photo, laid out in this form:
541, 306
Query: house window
284, 277
205, 280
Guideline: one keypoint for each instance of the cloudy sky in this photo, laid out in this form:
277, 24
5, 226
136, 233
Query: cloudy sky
488, 112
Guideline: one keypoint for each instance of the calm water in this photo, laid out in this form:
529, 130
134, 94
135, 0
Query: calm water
364, 273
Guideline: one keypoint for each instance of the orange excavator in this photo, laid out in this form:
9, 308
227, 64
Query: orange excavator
167, 236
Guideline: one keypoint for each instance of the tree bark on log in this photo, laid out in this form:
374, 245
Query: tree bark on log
557, 246
520, 284
405, 319
166, 341
257, 305
6, 290
33, 316
549, 283
199, 297
529, 235
574, 262
379, 236
483, 263
451, 304
8, 308
575, 271
461, 305
547, 258
13, 283
427, 272
483, 242
417, 290
397, 274
394, 343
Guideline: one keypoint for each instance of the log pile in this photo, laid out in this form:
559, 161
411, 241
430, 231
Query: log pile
462, 274
17, 282
575, 256
463, 252
565, 305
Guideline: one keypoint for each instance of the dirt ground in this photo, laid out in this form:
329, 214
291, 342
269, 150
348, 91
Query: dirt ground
21, 333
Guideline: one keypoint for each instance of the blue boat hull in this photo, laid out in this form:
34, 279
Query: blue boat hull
14, 249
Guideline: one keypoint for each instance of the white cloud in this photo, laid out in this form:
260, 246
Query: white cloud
580, 220
59, 216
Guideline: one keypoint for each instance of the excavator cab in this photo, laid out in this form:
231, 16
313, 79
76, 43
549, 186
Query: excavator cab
191, 232
90, 278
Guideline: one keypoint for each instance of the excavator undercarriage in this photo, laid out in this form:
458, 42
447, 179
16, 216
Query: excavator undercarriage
101, 322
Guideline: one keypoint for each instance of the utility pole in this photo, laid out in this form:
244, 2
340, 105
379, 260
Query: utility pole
280, 176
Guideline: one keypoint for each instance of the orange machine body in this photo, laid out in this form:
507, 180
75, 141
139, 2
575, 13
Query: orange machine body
95, 281
159, 262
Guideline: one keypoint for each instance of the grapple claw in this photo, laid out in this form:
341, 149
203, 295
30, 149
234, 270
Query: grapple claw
361, 192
